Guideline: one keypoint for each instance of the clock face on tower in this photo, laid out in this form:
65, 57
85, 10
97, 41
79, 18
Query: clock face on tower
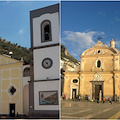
47, 63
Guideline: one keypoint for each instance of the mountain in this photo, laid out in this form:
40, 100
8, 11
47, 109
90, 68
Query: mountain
14, 50
67, 55
6, 47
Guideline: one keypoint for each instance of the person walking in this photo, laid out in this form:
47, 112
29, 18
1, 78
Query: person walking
88, 98
103, 99
111, 100
64, 96
79, 98
98, 100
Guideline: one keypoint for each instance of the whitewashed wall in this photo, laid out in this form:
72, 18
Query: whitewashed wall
45, 86
26, 92
41, 73
53, 18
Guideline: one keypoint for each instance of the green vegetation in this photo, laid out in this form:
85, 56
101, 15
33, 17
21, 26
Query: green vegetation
17, 50
68, 56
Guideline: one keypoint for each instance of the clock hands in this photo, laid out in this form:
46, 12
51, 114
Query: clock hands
47, 63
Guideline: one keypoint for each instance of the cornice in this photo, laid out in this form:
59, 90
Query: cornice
88, 56
109, 72
117, 71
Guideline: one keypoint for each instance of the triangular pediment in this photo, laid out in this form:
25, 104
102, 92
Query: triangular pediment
97, 77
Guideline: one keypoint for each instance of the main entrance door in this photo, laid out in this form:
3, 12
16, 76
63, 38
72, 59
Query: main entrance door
97, 86
74, 93
97, 91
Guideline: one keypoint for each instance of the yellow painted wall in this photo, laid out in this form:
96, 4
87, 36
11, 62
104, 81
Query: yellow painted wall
11, 74
109, 70
86, 85
90, 64
69, 76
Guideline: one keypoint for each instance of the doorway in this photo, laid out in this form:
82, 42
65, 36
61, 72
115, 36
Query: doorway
12, 110
74, 93
97, 86
97, 91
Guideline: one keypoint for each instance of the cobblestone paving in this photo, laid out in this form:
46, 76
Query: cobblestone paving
89, 110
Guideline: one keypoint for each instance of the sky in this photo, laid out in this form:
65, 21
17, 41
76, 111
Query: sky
15, 20
82, 22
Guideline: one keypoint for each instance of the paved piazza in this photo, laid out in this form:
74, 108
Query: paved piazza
89, 110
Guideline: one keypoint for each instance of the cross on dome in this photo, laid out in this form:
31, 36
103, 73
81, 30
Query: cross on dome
99, 38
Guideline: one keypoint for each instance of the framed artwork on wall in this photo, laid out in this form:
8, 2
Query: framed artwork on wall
48, 98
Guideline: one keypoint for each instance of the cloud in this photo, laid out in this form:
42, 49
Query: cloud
84, 39
81, 38
79, 41
21, 31
117, 43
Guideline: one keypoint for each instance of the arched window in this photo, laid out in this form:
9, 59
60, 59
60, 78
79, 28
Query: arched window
98, 63
26, 72
46, 31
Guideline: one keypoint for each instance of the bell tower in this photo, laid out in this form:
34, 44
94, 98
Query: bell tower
44, 93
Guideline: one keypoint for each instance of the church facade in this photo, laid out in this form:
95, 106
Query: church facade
99, 74
11, 88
